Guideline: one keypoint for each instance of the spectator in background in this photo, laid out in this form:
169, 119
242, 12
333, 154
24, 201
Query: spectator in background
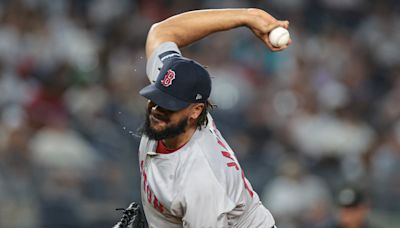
353, 209
385, 170
18, 176
296, 197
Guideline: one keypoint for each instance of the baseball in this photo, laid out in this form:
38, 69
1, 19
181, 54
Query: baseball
279, 37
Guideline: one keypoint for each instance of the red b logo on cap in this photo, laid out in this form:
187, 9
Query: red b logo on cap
167, 81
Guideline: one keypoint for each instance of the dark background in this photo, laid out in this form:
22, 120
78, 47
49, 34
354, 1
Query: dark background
304, 123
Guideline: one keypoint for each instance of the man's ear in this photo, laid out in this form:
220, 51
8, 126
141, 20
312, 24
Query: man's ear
196, 111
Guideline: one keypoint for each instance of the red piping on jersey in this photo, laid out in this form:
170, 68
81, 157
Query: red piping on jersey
162, 149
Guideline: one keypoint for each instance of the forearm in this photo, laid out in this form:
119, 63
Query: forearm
186, 28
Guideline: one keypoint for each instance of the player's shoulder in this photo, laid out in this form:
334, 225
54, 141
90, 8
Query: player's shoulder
209, 145
202, 165
144, 142
206, 169
212, 150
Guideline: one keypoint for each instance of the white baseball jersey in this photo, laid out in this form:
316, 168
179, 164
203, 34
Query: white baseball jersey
199, 185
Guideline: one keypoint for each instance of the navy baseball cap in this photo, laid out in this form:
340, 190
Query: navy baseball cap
181, 82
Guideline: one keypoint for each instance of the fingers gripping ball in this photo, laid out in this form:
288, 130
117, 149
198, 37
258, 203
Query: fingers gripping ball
279, 37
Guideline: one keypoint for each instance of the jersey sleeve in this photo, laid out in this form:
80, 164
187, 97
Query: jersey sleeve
156, 60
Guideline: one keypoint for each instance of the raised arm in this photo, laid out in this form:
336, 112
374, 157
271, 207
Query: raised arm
186, 28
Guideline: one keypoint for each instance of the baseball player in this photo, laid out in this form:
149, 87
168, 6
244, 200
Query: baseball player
190, 177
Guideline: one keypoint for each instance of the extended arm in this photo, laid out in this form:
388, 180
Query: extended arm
186, 28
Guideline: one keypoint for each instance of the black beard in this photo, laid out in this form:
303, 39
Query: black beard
169, 132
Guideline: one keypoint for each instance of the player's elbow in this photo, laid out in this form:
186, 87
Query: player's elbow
155, 28
151, 41
157, 35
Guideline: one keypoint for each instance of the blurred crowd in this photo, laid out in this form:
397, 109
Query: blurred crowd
316, 128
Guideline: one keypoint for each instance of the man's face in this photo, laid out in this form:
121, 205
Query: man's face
163, 124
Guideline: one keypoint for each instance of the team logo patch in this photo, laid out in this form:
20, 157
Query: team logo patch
168, 78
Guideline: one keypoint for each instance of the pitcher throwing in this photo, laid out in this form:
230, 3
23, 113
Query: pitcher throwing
190, 175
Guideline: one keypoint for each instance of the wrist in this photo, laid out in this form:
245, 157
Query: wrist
251, 16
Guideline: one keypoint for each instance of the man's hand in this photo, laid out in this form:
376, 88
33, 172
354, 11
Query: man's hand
262, 23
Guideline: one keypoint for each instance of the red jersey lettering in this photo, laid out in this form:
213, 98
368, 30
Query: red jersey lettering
151, 197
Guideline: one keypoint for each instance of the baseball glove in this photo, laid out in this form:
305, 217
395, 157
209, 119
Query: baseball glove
132, 217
